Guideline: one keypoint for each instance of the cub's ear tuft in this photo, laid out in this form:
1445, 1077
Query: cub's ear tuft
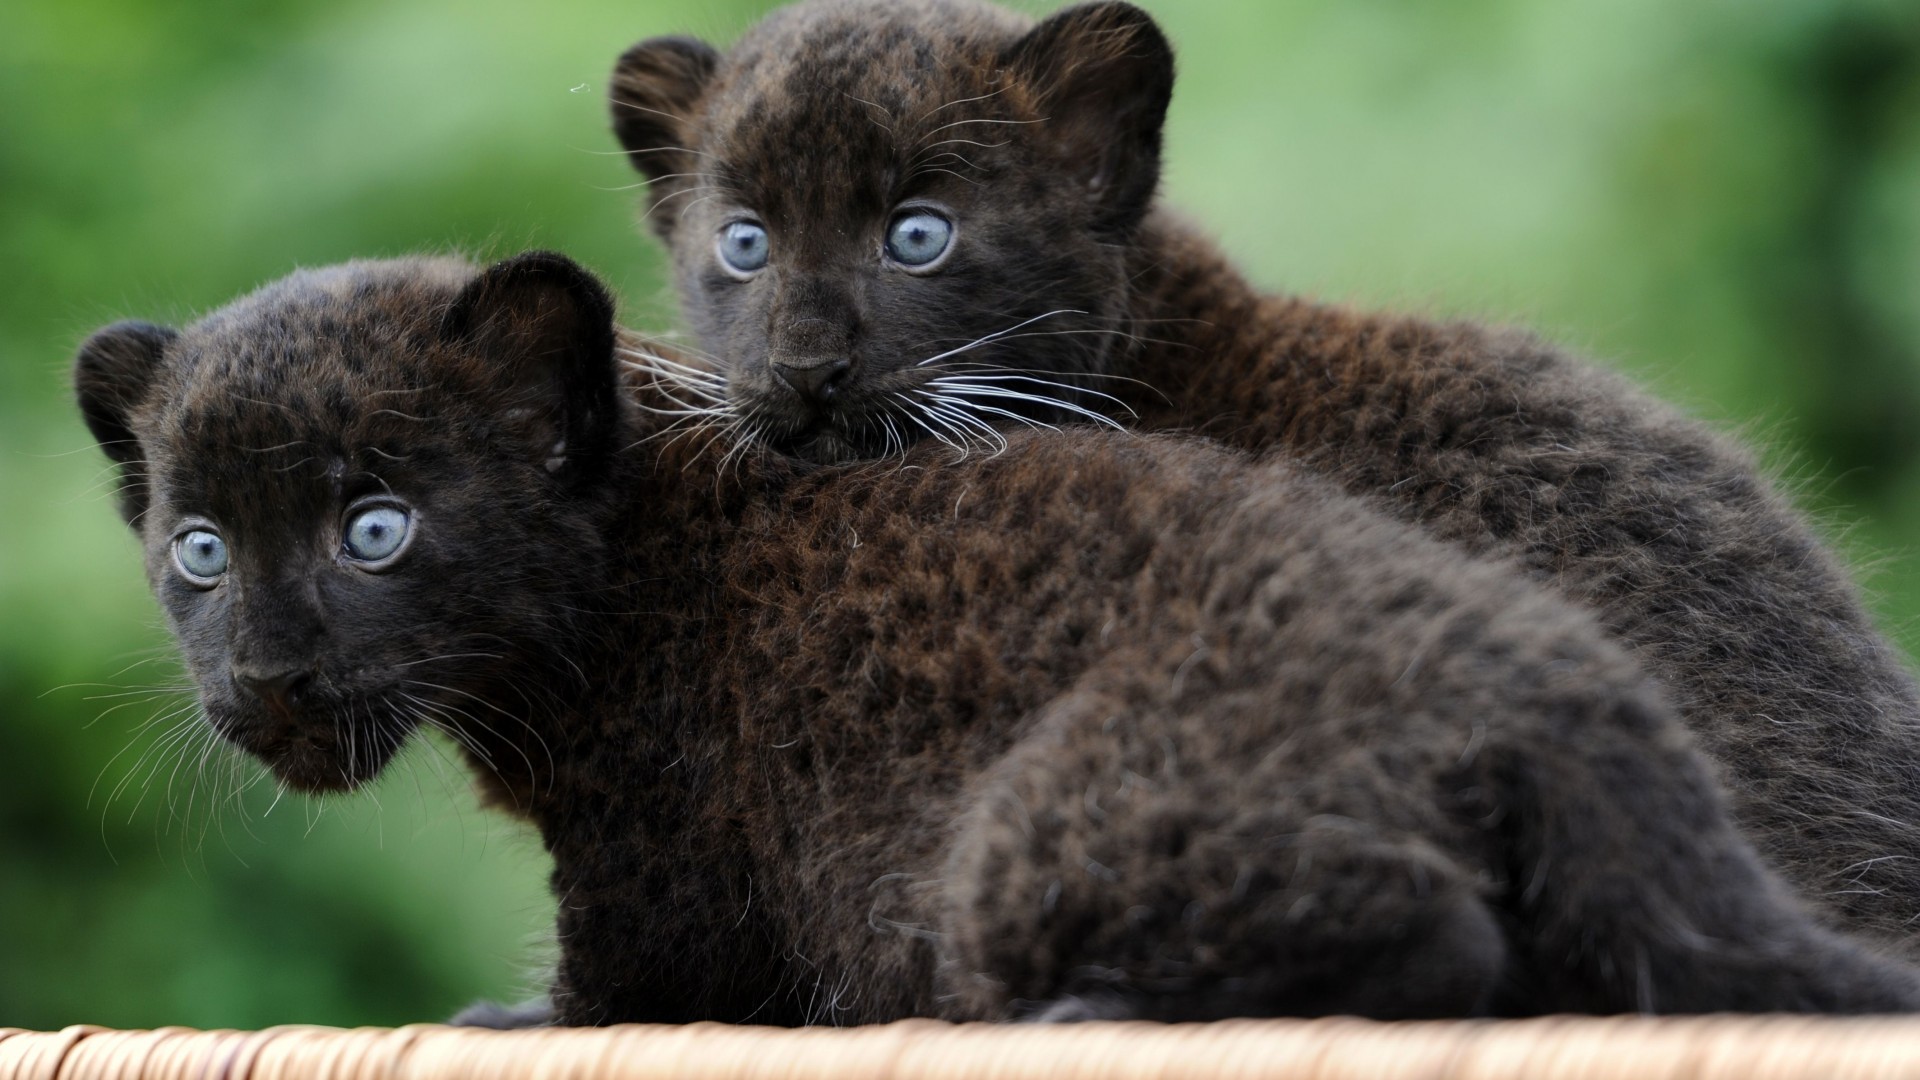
1103, 74
656, 87
544, 327
111, 376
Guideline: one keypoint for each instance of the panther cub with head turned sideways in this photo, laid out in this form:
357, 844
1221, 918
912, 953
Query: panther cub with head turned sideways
1101, 726
935, 218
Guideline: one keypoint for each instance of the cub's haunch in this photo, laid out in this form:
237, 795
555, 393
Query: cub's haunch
1102, 726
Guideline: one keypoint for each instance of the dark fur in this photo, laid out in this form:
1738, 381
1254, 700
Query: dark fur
1106, 725
814, 122
723, 138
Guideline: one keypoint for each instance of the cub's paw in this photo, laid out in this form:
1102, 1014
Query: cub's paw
487, 1014
1076, 1009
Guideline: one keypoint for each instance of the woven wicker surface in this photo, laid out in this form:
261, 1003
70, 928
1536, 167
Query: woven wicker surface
1734, 1048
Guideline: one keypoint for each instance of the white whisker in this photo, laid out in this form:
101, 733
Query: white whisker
997, 335
958, 101
959, 433
976, 378
977, 407
1038, 399
924, 426
962, 416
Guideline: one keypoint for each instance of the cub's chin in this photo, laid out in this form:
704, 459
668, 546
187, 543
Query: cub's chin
317, 754
827, 444
822, 448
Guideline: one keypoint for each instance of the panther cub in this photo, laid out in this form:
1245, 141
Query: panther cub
934, 218
1101, 726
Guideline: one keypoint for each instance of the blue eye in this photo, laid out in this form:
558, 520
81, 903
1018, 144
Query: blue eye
743, 246
201, 556
376, 534
917, 239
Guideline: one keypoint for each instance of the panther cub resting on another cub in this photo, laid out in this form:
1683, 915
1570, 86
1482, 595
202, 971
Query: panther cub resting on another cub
1103, 726
901, 217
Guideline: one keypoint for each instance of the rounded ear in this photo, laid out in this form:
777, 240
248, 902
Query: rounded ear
543, 327
656, 86
1103, 74
111, 376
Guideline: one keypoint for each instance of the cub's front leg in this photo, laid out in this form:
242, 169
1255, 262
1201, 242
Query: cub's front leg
660, 930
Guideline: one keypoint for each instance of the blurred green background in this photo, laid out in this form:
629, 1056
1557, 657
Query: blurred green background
1720, 196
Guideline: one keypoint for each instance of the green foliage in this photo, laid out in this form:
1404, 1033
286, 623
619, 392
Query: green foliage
1721, 196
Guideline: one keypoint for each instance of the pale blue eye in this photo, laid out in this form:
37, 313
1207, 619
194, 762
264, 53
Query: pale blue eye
376, 534
743, 246
202, 555
919, 238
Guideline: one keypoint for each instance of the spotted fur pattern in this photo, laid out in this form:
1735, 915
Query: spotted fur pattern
1065, 294
1104, 725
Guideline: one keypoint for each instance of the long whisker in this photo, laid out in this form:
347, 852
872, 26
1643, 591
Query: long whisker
432, 715
997, 335
1102, 331
976, 378
532, 770
1038, 399
959, 101
653, 361
170, 734
959, 447
977, 407
963, 417
970, 366
924, 426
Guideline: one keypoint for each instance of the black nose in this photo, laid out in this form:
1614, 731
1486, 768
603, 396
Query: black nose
282, 690
815, 383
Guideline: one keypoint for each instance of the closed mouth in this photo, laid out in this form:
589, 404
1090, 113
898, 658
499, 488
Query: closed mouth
823, 442
313, 760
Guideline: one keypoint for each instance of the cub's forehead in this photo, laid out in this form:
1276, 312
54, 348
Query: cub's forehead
313, 357
810, 57
835, 79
